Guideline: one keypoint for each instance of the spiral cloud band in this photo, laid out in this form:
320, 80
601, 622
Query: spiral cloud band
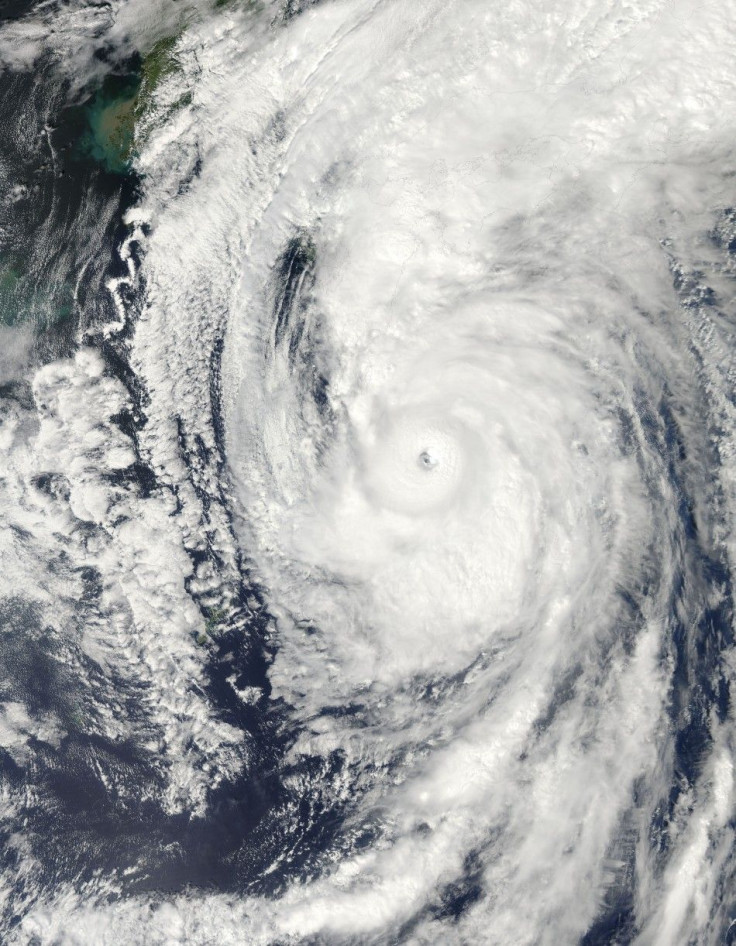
437, 340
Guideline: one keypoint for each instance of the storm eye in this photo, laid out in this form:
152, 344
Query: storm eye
427, 461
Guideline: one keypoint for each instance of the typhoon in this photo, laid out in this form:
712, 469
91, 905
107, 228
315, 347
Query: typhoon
368, 544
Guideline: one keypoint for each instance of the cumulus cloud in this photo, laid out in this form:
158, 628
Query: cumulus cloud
435, 245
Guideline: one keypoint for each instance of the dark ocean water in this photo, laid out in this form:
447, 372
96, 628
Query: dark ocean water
93, 804
278, 788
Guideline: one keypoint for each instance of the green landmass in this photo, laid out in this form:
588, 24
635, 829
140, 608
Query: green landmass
160, 62
215, 617
249, 4
116, 113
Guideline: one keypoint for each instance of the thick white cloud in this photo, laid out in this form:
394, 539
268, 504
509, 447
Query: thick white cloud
472, 532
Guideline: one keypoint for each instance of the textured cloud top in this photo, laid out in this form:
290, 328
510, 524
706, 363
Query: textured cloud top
434, 323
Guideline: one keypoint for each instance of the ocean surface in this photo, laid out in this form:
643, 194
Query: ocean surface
367, 473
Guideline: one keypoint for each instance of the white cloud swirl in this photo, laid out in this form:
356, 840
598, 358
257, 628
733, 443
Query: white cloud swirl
430, 237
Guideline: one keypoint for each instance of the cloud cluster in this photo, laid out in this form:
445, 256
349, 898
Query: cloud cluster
413, 270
